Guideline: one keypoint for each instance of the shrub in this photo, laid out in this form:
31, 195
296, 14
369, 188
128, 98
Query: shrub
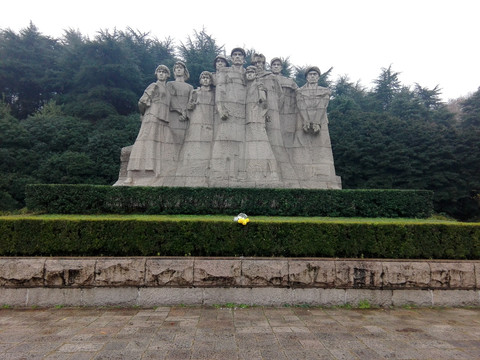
94, 199
97, 236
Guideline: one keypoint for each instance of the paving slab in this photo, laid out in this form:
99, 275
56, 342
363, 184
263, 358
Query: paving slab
229, 332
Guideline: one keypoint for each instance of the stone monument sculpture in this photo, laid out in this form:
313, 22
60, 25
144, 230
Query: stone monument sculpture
242, 127
144, 162
194, 159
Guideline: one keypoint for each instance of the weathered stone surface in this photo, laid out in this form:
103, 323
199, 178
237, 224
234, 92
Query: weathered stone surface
238, 272
407, 274
452, 275
456, 298
14, 296
169, 272
21, 272
368, 296
155, 296
54, 296
120, 272
412, 297
70, 272
312, 273
263, 272
109, 296
213, 272
358, 274
477, 274
249, 296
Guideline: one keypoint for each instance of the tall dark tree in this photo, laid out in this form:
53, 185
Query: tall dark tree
387, 85
469, 156
430, 98
149, 52
199, 52
28, 67
470, 110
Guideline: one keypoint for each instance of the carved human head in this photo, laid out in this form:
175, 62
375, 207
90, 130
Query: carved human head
312, 74
178, 71
312, 68
219, 62
162, 68
238, 56
259, 61
240, 50
276, 65
206, 78
251, 72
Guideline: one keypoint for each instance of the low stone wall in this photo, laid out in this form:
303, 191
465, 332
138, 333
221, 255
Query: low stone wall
150, 281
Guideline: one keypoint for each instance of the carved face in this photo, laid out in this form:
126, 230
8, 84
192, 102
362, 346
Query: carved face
179, 70
220, 63
250, 75
260, 65
312, 77
205, 80
276, 67
162, 75
237, 58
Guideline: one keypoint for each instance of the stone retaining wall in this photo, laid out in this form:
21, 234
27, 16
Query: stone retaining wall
149, 281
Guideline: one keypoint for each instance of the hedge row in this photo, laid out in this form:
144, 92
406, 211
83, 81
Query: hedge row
40, 236
94, 199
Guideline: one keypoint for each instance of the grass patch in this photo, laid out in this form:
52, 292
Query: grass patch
229, 218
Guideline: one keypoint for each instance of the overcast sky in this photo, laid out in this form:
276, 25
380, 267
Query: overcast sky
430, 42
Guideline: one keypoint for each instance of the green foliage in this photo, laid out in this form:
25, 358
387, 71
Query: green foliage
198, 54
409, 145
471, 110
88, 199
81, 236
364, 304
387, 85
28, 67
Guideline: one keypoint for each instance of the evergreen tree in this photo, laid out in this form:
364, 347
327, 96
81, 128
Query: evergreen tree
387, 85
28, 67
199, 53
470, 110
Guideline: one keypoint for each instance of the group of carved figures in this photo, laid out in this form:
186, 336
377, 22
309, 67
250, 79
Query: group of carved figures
243, 127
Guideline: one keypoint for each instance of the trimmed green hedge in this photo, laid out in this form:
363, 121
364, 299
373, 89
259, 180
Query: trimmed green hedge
41, 236
94, 199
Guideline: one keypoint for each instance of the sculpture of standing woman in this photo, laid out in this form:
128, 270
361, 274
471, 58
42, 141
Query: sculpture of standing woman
195, 155
143, 164
180, 93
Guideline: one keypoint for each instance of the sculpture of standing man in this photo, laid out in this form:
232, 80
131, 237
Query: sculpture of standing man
312, 155
227, 166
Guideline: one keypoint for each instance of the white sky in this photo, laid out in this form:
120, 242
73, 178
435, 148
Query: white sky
430, 42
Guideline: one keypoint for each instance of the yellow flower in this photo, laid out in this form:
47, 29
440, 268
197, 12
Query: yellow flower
243, 221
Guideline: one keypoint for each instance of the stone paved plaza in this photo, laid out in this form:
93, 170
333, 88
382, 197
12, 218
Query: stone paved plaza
239, 333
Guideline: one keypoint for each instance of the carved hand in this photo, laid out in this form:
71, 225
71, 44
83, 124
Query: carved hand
315, 128
224, 115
